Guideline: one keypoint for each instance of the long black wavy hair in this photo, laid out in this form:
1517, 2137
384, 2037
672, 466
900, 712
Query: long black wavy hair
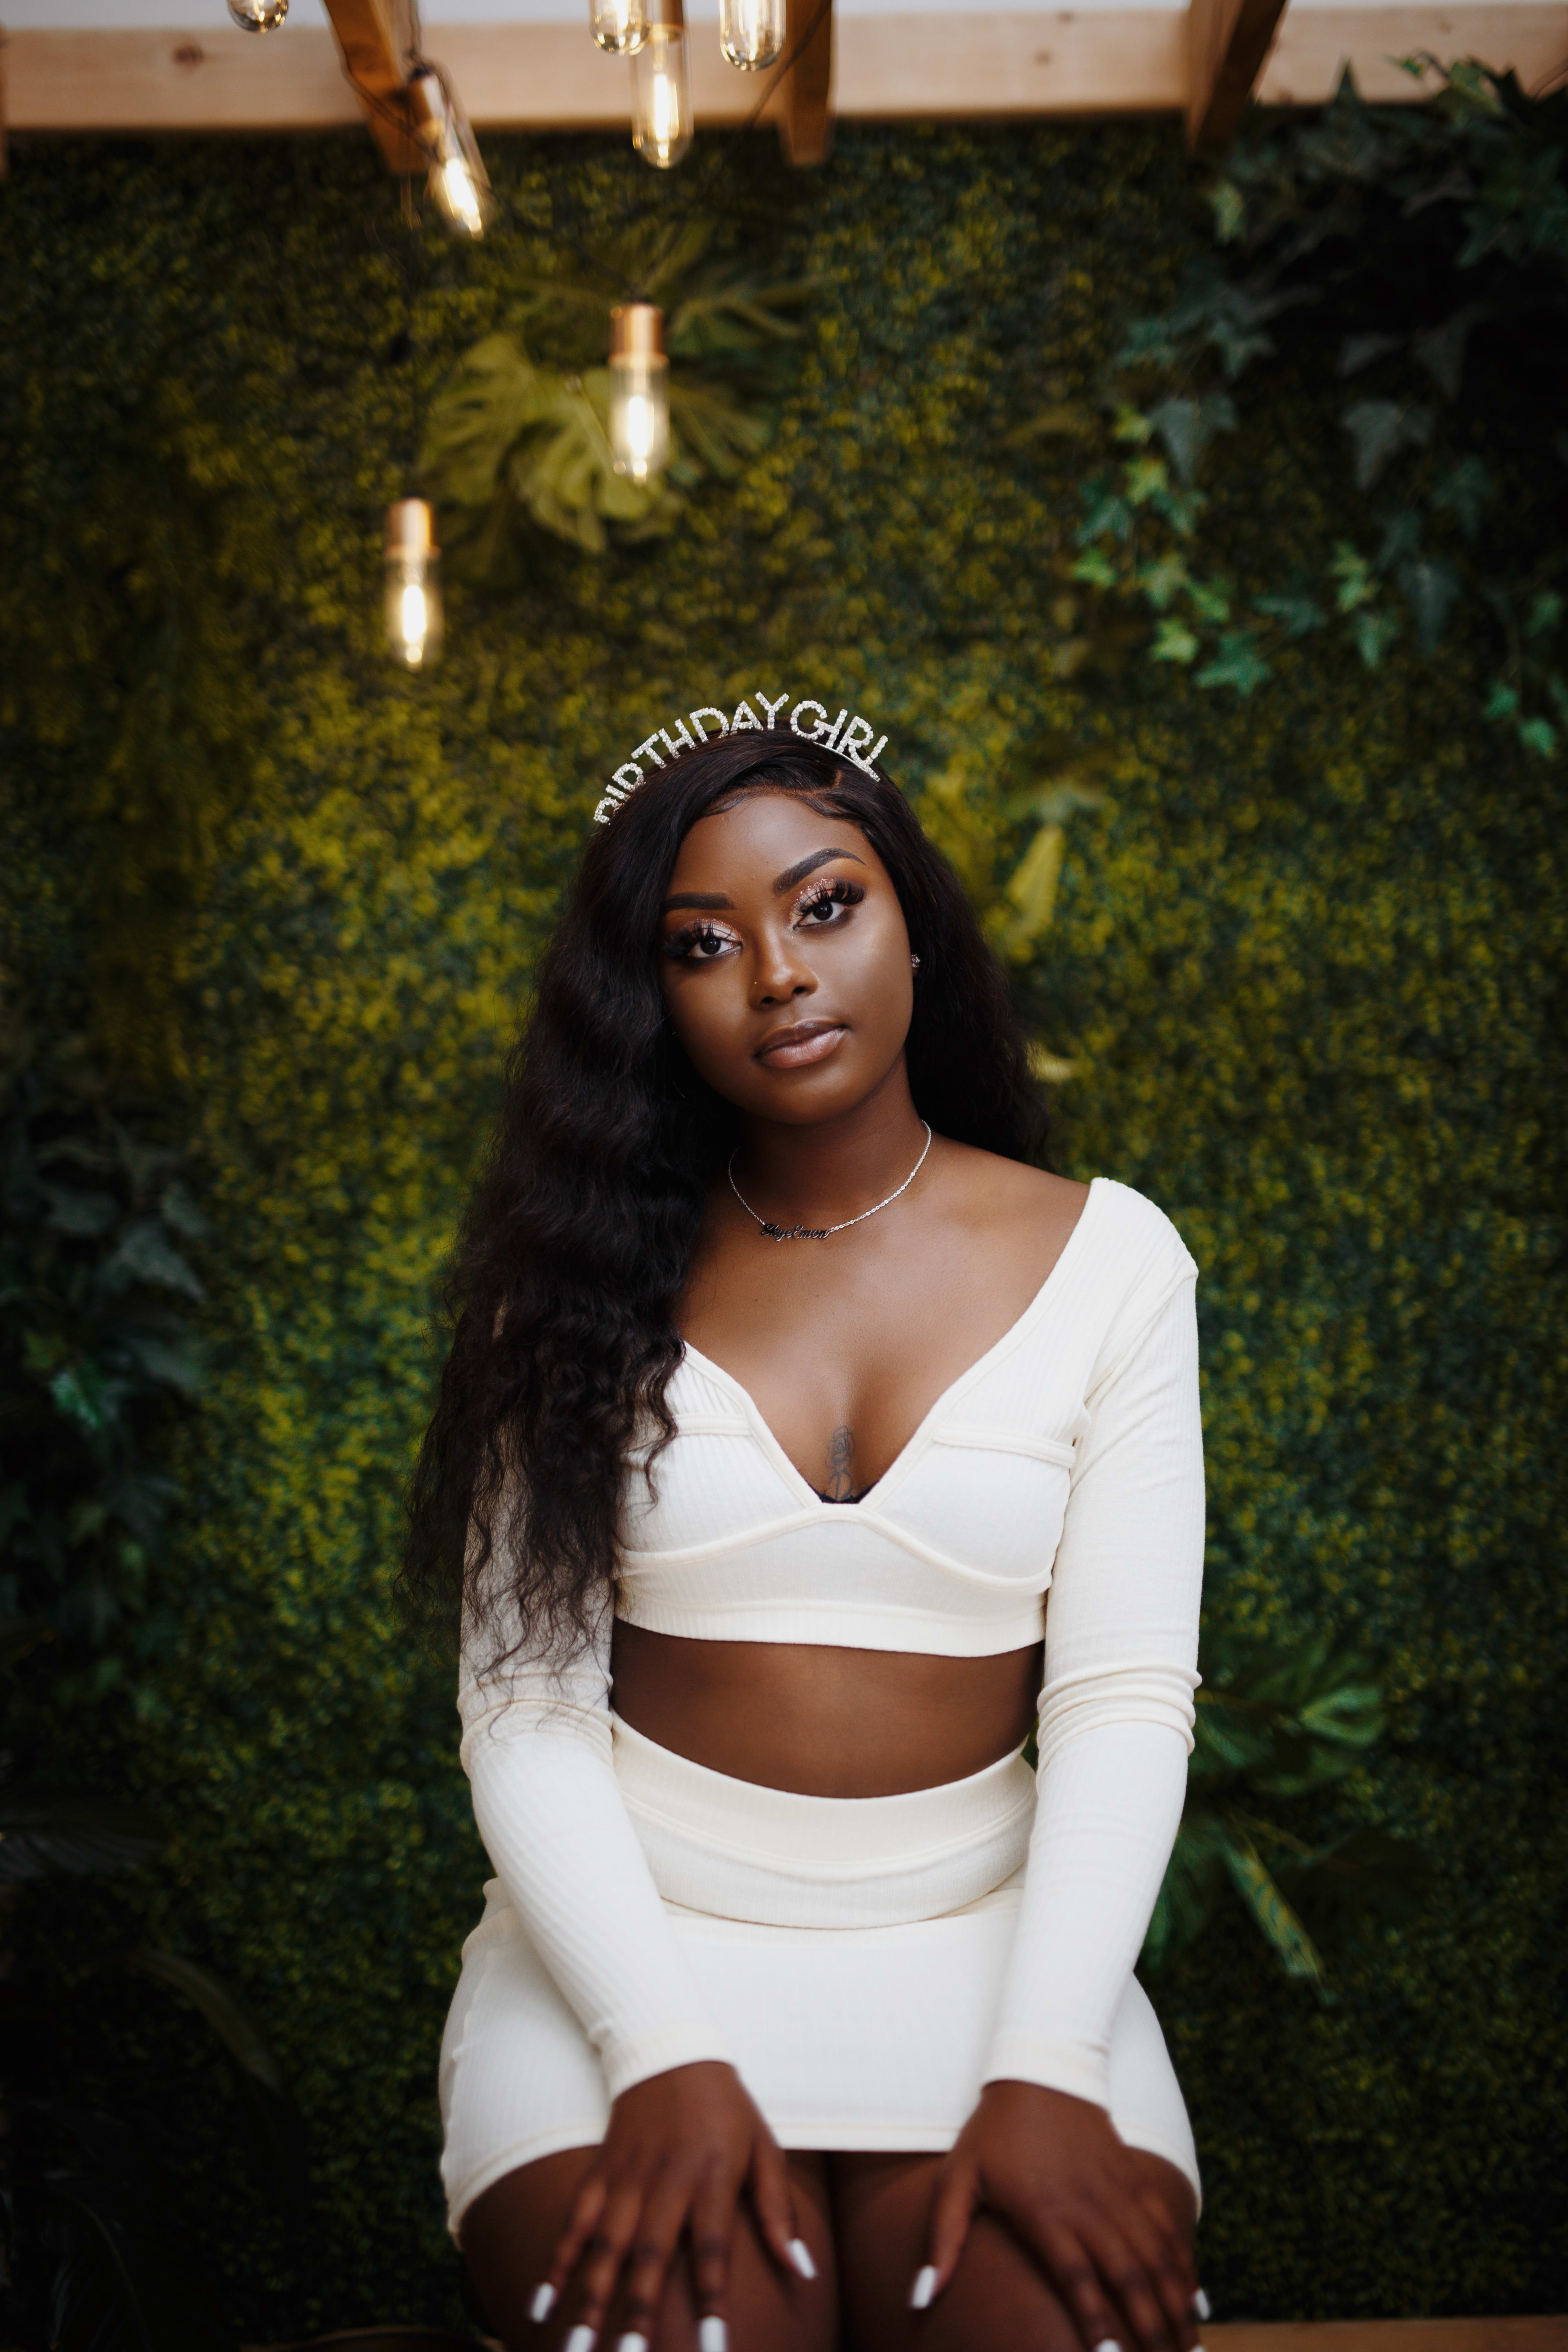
561, 1291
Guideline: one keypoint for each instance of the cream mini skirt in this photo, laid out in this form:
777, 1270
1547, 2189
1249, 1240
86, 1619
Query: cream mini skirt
851, 1949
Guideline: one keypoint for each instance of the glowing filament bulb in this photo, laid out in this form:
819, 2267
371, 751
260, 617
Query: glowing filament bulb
661, 103
413, 584
640, 390
460, 184
259, 16
619, 26
751, 32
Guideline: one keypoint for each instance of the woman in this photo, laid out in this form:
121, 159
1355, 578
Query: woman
784, 1385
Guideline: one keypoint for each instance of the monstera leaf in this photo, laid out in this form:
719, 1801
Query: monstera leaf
517, 440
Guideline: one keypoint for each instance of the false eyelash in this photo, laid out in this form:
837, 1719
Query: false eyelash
679, 943
842, 893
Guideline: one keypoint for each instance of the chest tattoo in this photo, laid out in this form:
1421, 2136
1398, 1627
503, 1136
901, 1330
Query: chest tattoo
840, 1487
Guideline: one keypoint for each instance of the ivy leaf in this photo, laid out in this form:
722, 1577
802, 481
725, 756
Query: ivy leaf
1359, 351
78, 1214
1431, 589
1162, 582
1228, 207
1238, 663
1503, 702
1301, 613
1210, 600
1174, 642
1441, 349
1371, 633
1463, 492
1108, 514
1187, 427
146, 1254
1379, 428
1545, 612
1354, 574
1145, 479
1095, 569
1538, 735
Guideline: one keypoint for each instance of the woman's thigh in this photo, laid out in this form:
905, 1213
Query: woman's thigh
881, 2213
510, 2233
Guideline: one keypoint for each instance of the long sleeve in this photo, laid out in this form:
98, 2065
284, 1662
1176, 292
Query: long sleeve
537, 1749
1116, 1712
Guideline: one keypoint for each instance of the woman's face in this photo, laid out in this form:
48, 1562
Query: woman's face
784, 960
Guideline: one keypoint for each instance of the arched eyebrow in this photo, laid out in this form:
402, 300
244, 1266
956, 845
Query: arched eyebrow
787, 880
713, 902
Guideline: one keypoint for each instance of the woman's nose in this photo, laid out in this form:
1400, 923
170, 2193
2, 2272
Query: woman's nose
781, 972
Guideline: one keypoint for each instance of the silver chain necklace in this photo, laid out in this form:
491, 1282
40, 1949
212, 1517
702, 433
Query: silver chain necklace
820, 1232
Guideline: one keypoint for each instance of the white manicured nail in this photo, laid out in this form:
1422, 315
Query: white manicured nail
1202, 2307
800, 2255
632, 2344
582, 2339
713, 2336
924, 2289
543, 2303
1107, 2344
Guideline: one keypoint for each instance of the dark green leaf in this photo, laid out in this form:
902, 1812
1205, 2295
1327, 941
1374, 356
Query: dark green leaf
1238, 663
1431, 589
218, 2006
1464, 491
43, 1831
1359, 351
1379, 428
1441, 349
145, 1253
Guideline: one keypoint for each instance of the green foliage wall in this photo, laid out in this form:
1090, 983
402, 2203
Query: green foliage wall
1308, 962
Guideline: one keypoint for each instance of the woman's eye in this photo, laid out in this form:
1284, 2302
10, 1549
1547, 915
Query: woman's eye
700, 943
829, 905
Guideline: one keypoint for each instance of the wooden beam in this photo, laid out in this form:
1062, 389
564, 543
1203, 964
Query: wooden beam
1227, 41
1512, 2335
895, 67
805, 117
378, 42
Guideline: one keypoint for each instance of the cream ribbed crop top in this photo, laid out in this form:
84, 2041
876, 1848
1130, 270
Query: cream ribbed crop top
1067, 1462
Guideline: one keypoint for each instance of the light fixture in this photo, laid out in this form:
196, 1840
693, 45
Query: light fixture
413, 584
751, 32
259, 16
620, 26
458, 183
639, 390
661, 101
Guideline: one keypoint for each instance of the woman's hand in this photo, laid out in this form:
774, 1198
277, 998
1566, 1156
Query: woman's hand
679, 2150
1052, 2167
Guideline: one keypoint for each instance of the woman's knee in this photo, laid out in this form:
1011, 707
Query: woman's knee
508, 2238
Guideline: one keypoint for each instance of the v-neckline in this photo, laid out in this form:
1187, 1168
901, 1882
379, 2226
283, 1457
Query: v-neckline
1009, 1338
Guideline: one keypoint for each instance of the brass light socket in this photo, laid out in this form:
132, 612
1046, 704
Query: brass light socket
411, 528
637, 328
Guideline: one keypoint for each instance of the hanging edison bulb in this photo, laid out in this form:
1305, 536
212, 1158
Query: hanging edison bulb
661, 99
619, 26
459, 185
259, 16
413, 584
751, 32
639, 390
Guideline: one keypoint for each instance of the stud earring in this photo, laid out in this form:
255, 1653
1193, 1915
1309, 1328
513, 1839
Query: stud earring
914, 963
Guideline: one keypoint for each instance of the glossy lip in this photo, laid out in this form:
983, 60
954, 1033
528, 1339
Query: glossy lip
803, 1042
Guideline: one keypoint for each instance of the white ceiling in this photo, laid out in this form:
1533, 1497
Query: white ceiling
67, 15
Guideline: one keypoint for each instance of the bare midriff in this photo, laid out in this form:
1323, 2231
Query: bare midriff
825, 1722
